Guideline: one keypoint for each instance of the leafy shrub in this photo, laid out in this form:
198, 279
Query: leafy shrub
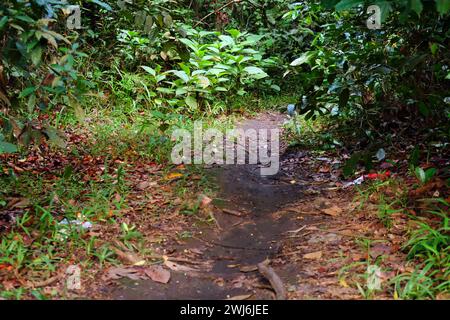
216, 66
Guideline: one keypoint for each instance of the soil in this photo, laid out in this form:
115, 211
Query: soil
295, 220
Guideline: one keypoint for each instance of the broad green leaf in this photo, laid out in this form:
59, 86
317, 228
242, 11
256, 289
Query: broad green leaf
26, 19
180, 91
385, 7
328, 4
58, 36
420, 174
51, 39
3, 22
6, 147
417, 6
165, 90
347, 4
36, 55
102, 4
221, 89
304, 58
443, 6
275, 87
226, 40
203, 81
234, 33
256, 72
160, 77
191, 102
430, 173
31, 103
149, 70
27, 91
54, 137
182, 75
189, 43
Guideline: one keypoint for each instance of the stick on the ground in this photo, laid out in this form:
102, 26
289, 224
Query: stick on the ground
274, 280
232, 212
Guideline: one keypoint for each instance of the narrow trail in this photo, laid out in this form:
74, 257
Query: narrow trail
225, 257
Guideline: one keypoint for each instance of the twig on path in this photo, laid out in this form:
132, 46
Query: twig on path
299, 235
46, 282
274, 280
233, 212
298, 230
211, 214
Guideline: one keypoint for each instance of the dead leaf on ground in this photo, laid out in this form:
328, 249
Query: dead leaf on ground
128, 257
177, 267
380, 250
313, 255
157, 274
248, 268
174, 176
18, 203
145, 185
118, 272
204, 201
332, 211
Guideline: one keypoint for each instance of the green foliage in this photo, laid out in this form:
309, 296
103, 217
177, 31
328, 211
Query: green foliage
430, 246
441, 6
424, 175
37, 66
216, 66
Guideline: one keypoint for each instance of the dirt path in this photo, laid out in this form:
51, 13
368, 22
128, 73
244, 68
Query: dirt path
280, 220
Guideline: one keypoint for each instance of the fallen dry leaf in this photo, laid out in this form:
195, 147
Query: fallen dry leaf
332, 211
177, 267
157, 274
173, 176
19, 203
118, 272
313, 255
248, 268
128, 257
380, 250
205, 201
145, 185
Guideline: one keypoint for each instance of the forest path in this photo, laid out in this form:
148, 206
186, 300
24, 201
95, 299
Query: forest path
258, 218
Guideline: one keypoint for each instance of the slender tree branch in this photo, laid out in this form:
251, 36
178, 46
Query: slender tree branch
215, 11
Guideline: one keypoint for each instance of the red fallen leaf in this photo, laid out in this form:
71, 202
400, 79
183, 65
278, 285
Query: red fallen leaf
5, 266
372, 176
375, 176
322, 269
